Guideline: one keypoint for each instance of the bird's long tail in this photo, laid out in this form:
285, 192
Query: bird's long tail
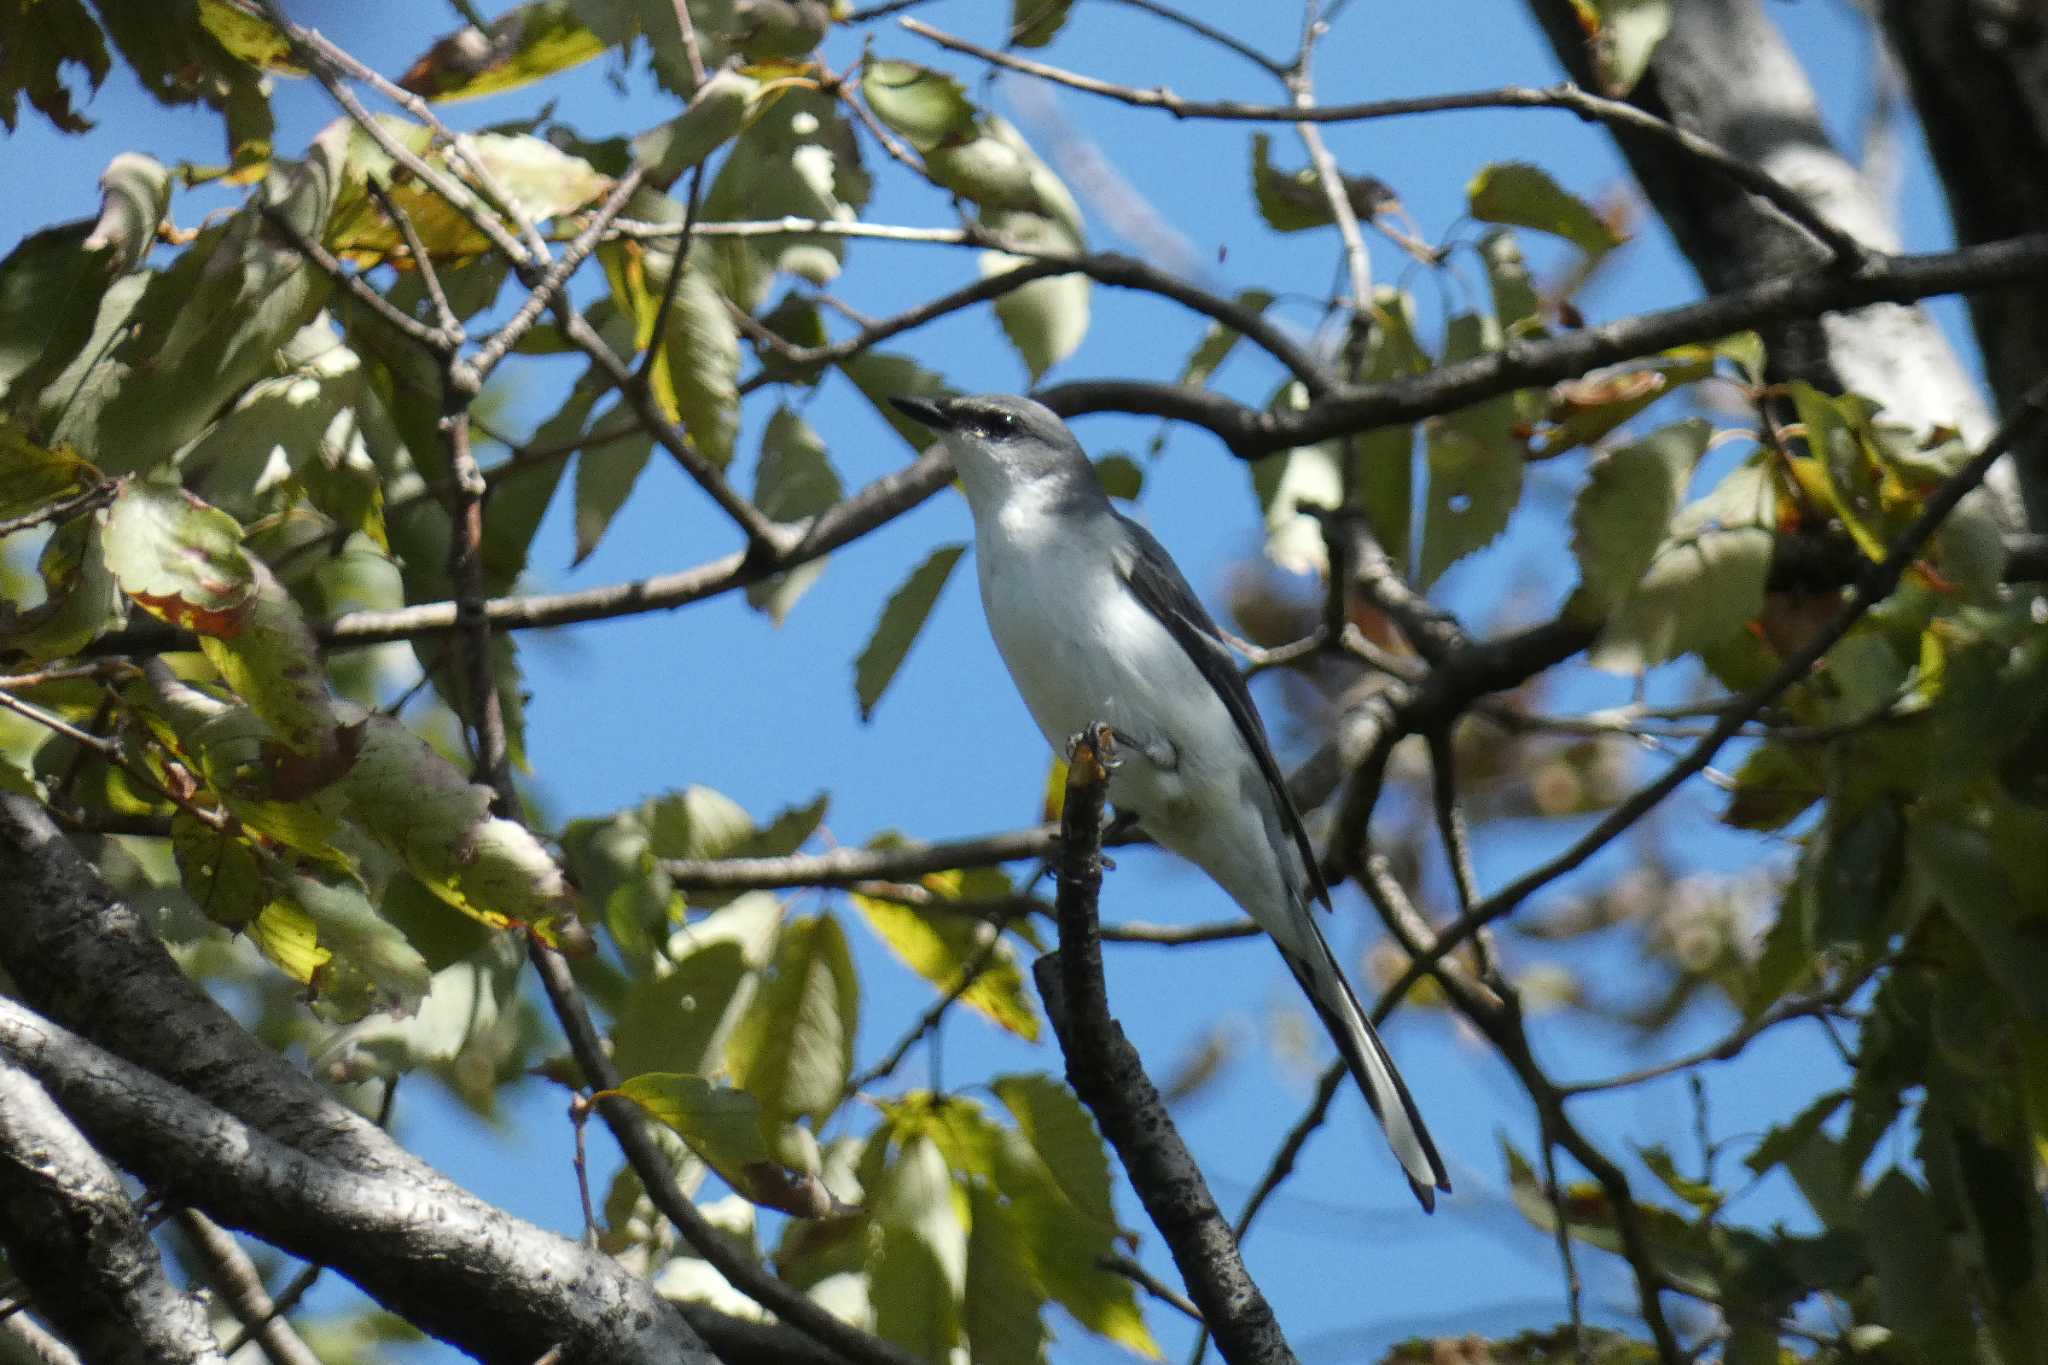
1373, 1069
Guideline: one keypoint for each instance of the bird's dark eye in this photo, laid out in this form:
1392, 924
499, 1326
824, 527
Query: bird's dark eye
1001, 424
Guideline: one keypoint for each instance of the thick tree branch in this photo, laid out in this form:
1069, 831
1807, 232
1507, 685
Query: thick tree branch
1251, 434
76, 1242
455, 1266
1106, 1073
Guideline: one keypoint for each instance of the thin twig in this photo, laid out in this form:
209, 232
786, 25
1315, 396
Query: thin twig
1574, 1289
64, 509
1130, 1269
1846, 250
422, 261
1270, 65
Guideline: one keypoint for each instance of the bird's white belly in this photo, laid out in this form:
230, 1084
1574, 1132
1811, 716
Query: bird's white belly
1083, 649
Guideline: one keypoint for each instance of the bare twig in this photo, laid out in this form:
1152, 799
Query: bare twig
241, 1285
1844, 247
422, 261
63, 509
1269, 65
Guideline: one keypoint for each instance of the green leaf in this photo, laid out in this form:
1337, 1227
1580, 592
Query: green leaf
1003, 1304
270, 658
1218, 341
1046, 319
180, 559
927, 107
696, 376
1033, 23
1385, 457
676, 1022
793, 480
917, 1281
728, 1131
1000, 173
1475, 464
1294, 201
50, 292
1120, 476
1521, 195
793, 1047
1919, 1292
696, 822
880, 375
1786, 1139
44, 37
1064, 1136
1516, 306
135, 196
32, 476
942, 946
798, 158
1775, 784
1624, 34
1705, 582
1957, 867
1283, 482
438, 825
1701, 1194
716, 114
605, 476
1625, 510
897, 629
81, 598
526, 43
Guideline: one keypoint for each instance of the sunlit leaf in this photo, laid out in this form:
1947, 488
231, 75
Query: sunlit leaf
1625, 510
1064, 1136
882, 375
180, 559
1624, 36
1705, 582
1475, 464
524, 44
945, 948
715, 116
793, 1047
917, 1280
1522, 195
1218, 341
1047, 318
728, 1130
1293, 201
927, 107
438, 825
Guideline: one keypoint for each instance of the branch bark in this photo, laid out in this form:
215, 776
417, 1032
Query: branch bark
1107, 1074
1976, 77
458, 1268
75, 1240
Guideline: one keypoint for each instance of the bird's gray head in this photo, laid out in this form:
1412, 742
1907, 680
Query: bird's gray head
1005, 447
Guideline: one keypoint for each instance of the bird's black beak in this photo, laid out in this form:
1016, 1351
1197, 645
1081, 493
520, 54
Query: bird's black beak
927, 411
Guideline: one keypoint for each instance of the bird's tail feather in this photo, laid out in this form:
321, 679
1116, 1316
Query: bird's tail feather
1373, 1068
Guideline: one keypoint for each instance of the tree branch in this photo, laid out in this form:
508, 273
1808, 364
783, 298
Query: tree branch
236, 1277
453, 1265
76, 1242
1106, 1073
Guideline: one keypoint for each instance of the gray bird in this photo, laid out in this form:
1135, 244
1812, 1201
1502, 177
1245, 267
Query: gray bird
1097, 624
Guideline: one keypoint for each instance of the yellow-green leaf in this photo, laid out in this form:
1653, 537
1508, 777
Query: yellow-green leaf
1522, 195
943, 947
793, 1047
897, 629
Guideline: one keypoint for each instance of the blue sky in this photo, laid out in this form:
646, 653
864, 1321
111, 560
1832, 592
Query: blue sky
715, 695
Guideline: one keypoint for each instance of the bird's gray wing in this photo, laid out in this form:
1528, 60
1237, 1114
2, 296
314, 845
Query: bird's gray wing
1155, 581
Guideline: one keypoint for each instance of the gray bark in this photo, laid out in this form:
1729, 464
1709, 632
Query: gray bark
1978, 71
1726, 73
75, 1240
